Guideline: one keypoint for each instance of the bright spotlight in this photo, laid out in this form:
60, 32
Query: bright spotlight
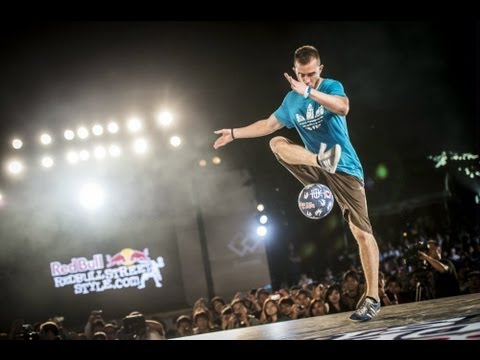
15, 167
140, 146
47, 162
91, 196
72, 157
216, 160
263, 219
202, 163
17, 144
112, 127
99, 152
175, 141
82, 132
97, 130
69, 135
261, 230
45, 139
260, 207
84, 155
165, 118
134, 124
114, 150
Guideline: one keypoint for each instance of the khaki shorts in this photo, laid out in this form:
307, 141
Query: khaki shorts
348, 190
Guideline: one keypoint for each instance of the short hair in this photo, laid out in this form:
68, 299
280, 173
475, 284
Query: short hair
287, 300
305, 54
183, 318
351, 274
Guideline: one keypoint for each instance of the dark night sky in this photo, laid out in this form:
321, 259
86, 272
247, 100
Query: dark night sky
412, 88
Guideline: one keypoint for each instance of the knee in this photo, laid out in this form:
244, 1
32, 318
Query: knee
360, 235
276, 142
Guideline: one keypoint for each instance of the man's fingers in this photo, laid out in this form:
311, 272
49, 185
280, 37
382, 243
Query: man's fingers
288, 77
218, 132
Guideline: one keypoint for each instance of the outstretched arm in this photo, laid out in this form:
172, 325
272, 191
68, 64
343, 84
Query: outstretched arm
336, 104
437, 265
256, 129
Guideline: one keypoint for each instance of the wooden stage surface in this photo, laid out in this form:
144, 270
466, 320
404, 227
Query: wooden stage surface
447, 318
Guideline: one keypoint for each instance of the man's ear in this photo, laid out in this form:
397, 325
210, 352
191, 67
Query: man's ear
320, 68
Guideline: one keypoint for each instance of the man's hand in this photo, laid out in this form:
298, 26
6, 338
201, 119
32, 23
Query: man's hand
296, 85
224, 139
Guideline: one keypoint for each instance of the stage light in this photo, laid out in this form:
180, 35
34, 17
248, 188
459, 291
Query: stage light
381, 171
17, 144
216, 160
140, 146
261, 230
263, 219
114, 150
165, 118
112, 127
99, 152
82, 132
47, 162
134, 124
45, 139
91, 196
202, 163
175, 141
15, 167
84, 155
97, 130
72, 157
69, 135
260, 207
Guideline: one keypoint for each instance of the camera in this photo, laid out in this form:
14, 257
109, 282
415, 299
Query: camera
238, 321
134, 327
411, 255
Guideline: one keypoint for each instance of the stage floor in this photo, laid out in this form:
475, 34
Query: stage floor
453, 318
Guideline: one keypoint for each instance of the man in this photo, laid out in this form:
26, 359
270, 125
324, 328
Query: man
317, 107
445, 281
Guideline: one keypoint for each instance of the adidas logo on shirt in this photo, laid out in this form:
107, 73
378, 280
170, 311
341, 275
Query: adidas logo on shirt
313, 120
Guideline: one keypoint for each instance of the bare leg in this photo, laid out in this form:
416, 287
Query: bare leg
369, 257
292, 154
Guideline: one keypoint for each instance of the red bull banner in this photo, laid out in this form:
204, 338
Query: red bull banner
125, 269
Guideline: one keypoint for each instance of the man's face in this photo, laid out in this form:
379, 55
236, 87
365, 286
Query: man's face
309, 73
434, 251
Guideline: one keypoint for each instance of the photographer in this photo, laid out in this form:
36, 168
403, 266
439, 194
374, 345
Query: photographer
445, 281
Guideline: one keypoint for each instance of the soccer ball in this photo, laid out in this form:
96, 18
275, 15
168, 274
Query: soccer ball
315, 201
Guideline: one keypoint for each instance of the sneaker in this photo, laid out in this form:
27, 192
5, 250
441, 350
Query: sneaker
367, 311
328, 160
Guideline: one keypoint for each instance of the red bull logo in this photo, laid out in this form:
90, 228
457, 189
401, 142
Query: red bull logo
126, 269
127, 257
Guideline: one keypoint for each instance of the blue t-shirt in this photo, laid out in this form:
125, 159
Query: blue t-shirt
315, 124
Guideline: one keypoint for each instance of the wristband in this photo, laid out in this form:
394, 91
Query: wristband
231, 133
307, 92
